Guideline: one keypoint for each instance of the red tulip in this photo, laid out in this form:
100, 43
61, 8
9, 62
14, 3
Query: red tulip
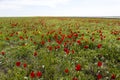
75, 78
92, 38
69, 36
16, 33
39, 74
24, 65
99, 46
59, 41
113, 76
101, 34
75, 34
49, 48
42, 42
78, 41
73, 51
3, 53
66, 50
99, 64
7, 38
78, 67
82, 34
18, 63
32, 74
66, 70
21, 38
86, 47
99, 76
57, 47
35, 53
65, 44
34, 43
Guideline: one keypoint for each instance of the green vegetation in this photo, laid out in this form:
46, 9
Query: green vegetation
43, 48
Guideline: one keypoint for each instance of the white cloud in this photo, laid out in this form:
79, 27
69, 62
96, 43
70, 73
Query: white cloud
6, 7
60, 7
15, 4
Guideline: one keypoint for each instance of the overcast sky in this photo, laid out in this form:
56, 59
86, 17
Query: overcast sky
59, 8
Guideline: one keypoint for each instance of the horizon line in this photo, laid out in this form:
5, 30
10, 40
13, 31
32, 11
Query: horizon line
66, 16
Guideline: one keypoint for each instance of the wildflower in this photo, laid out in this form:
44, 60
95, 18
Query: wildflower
3, 53
42, 42
24, 65
92, 38
75, 34
7, 38
49, 40
78, 67
99, 45
21, 38
32, 74
66, 50
39, 74
101, 34
58, 47
34, 43
73, 51
18, 63
78, 41
82, 34
75, 78
59, 41
35, 53
69, 36
113, 76
86, 47
50, 48
99, 76
66, 70
99, 64
16, 33
12, 34
65, 44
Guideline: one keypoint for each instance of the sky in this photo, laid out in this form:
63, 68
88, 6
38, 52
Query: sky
59, 8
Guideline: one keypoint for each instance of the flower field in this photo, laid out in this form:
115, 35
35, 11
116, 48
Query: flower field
51, 48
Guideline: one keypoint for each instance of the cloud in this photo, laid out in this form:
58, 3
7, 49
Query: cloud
59, 7
9, 6
15, 4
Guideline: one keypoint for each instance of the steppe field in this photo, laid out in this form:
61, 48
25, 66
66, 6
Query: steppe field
59, 48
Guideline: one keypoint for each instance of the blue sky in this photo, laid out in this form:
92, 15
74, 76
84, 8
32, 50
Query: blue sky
59, 8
